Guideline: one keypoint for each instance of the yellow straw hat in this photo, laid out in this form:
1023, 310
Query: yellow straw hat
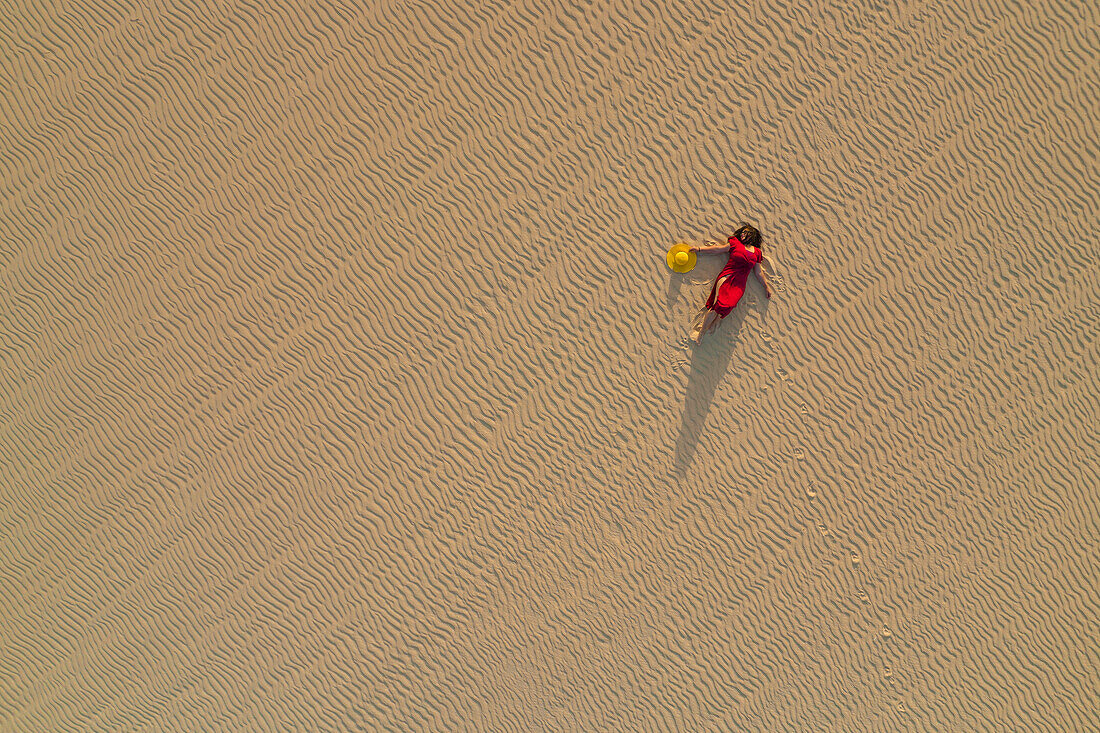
680, 258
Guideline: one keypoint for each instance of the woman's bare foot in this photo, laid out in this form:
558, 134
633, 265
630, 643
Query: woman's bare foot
705, 322
696, 333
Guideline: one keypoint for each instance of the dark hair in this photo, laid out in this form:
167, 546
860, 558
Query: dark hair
749, 235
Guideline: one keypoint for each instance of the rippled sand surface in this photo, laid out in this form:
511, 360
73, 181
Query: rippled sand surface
344, 386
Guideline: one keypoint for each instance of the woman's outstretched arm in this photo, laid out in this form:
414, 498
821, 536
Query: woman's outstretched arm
712, 247
763, 276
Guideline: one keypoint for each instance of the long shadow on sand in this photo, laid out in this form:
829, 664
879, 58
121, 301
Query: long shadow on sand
709, 364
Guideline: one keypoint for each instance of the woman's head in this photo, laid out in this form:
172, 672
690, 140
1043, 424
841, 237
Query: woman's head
749, 235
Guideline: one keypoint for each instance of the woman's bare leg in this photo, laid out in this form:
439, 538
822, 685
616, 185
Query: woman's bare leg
708, 325
710, 319
697, 324
704, 323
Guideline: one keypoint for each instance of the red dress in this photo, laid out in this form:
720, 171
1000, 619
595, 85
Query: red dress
738, 267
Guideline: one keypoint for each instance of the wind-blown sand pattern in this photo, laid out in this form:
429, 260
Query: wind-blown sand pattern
344, 386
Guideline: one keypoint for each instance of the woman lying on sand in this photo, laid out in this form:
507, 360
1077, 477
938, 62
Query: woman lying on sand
745, 254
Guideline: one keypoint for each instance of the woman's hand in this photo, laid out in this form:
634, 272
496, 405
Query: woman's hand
762, 276
712, 246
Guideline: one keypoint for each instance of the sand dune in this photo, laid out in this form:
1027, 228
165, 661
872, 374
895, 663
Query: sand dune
344, 386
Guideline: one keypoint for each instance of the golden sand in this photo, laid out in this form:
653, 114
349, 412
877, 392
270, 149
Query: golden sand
345, 387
